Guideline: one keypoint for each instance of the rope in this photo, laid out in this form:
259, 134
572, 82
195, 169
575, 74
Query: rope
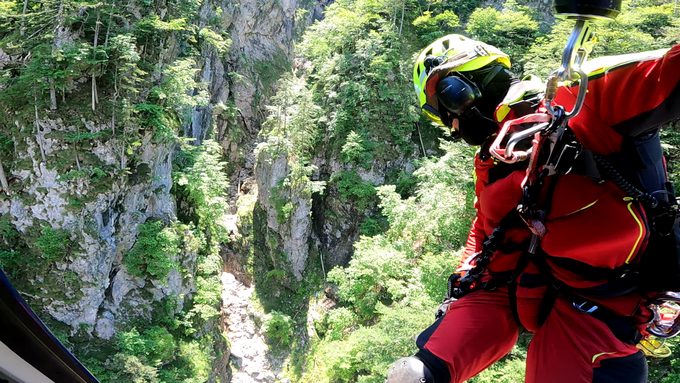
616, 178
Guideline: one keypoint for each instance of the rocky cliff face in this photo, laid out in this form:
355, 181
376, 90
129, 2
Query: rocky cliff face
100, 224
57, 184
262, 33
98, 215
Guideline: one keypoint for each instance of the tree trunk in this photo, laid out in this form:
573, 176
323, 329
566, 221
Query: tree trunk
22, 30
60, 21
95, 96
403, 5
53, 95
38, 136
108, 31
94, 93
60, 12
115, 100
113, 122
3, 179
108, 26
123, 163
421, 139
75, 147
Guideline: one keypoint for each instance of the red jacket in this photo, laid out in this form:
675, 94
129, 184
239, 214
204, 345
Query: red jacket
589, 222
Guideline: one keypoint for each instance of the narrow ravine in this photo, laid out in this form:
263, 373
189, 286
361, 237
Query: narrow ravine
248, 348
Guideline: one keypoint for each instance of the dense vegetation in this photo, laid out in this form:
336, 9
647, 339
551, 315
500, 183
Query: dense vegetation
354, 97
131, 66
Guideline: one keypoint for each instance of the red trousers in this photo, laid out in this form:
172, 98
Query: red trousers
570, 347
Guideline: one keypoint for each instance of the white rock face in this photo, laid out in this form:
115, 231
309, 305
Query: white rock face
105, 327
297, 227
102, 230
248, 348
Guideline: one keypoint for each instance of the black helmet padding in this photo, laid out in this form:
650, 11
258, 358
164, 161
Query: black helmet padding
457, 94
587, 9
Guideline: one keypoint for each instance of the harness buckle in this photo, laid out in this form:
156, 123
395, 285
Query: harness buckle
557, 284
567, 157
664, 222
586, 307
444, 307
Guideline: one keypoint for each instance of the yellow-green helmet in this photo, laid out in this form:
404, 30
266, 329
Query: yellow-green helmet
450, 53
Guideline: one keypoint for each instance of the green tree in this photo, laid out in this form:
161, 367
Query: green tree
202, 182
513, 31
154, 253
430, 27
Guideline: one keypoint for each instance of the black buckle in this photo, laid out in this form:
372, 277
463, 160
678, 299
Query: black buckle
459, 292
453, 284
567, 157
664, 222
557, 284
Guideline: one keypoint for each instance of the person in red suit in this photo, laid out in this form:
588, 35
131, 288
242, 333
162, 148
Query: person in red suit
573, 292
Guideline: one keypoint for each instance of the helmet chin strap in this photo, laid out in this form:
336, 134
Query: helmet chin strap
479, 114
490, 76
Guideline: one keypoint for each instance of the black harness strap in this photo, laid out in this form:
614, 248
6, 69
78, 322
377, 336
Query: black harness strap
512, 284
621, 326
461, 286
551, 293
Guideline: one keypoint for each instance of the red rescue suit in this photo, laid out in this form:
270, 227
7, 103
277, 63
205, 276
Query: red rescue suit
593, 223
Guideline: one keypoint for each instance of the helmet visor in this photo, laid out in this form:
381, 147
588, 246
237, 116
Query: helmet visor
439, 115
432, 113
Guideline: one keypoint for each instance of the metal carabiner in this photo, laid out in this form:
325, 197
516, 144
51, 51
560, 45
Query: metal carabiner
578, 47
508, 154
666, 324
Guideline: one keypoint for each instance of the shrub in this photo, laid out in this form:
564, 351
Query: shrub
365, 354
334, 323
160, 344
154, 252
431, 27
208, 293
437, 218
129, 368
278, 328
355, 151
53, 243
377, 272
434, 272
132, 343
203, 183
195, 359
351, 186
512, 30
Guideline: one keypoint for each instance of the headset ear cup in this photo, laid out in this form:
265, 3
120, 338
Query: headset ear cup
457, 94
